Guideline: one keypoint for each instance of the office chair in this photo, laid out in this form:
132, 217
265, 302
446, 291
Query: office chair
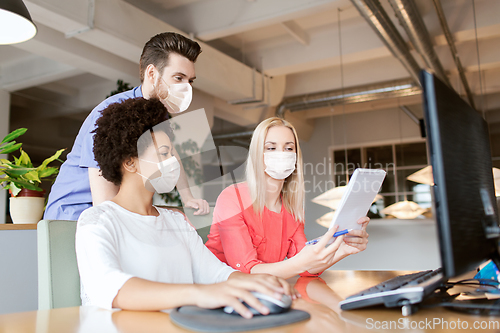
58, 278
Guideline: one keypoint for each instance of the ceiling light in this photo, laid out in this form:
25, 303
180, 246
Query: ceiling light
424, 176
496, 179
405, 210
16, 25
332, 197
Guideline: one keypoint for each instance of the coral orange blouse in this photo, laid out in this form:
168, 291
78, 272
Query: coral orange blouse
242, 239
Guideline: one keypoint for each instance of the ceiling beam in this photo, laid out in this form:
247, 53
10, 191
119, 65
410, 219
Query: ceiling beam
33, 71
209, 20
52, 44
359, 43
296, 32
122, 29
463, 27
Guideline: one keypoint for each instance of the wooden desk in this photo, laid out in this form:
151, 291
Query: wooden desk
320, 299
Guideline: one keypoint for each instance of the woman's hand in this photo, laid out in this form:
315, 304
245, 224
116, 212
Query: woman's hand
237, 290
316, 258
265, 283
355, 241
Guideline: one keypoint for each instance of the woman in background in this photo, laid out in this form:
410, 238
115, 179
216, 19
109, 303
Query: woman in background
135, 256
260, 222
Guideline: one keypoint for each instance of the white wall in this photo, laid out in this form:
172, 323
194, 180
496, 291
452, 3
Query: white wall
4, 130
389, 246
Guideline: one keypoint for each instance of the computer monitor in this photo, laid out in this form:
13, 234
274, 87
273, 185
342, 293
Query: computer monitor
464, 196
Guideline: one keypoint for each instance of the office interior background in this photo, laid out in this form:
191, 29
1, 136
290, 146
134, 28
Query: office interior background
350, 90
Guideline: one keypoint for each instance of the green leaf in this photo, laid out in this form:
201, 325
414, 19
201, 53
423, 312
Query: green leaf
33, 176
50, 159
24, 184
47, 172
25, 160
15, 173
11, 148
14, 189
14, 134
7, 145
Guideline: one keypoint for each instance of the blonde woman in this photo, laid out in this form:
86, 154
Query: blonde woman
260, 222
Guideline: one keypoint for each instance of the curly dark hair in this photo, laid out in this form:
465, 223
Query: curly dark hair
118, 130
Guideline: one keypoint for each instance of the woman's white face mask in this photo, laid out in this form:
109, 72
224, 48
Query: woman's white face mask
280, 165
170, 170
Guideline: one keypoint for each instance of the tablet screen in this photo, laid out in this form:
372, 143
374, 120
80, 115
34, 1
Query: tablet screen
358, 197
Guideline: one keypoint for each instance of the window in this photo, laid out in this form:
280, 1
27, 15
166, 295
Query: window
398, 160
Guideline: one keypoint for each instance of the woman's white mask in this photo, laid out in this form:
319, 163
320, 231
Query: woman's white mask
170, 170
280, 165
179, 96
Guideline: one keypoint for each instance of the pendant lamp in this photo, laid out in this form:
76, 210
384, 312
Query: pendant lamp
16, 25
405, 210
496, 179
332, 197
424, 176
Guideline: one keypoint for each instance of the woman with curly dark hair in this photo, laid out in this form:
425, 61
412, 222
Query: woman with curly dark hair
133, 255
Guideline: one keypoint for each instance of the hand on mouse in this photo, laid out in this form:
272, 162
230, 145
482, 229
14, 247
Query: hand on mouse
265, 283
237, 289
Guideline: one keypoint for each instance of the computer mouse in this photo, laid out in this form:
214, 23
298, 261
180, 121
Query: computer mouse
274, 305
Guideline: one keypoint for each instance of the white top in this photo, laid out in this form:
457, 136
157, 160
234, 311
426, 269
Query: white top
114, 244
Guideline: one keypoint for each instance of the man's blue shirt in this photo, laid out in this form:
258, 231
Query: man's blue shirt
70, 194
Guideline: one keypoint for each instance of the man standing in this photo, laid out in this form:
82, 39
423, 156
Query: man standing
167, 72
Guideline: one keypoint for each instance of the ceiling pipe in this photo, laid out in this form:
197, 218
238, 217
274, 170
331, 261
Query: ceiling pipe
401, 88
453, 49
411, 20
377, 18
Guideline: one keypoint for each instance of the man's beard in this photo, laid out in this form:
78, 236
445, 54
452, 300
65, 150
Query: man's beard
156, 93
161, 96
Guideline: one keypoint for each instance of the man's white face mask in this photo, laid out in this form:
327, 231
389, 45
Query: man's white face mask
280, 165
179, 96
170, 170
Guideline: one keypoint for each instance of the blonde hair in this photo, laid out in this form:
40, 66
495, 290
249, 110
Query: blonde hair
293, 187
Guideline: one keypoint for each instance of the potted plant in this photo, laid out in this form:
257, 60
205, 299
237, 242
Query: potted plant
22, 180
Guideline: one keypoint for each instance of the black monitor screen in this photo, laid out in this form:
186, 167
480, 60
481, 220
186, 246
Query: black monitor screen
464, 196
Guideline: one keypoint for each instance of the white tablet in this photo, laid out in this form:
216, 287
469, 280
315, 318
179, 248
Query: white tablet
358, 197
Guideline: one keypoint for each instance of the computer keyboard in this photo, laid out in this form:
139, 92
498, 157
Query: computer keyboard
399, 291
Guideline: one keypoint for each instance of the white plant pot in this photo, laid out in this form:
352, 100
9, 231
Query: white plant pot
26, 209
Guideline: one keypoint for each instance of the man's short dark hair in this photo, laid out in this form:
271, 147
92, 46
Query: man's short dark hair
158, 48
119, 128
